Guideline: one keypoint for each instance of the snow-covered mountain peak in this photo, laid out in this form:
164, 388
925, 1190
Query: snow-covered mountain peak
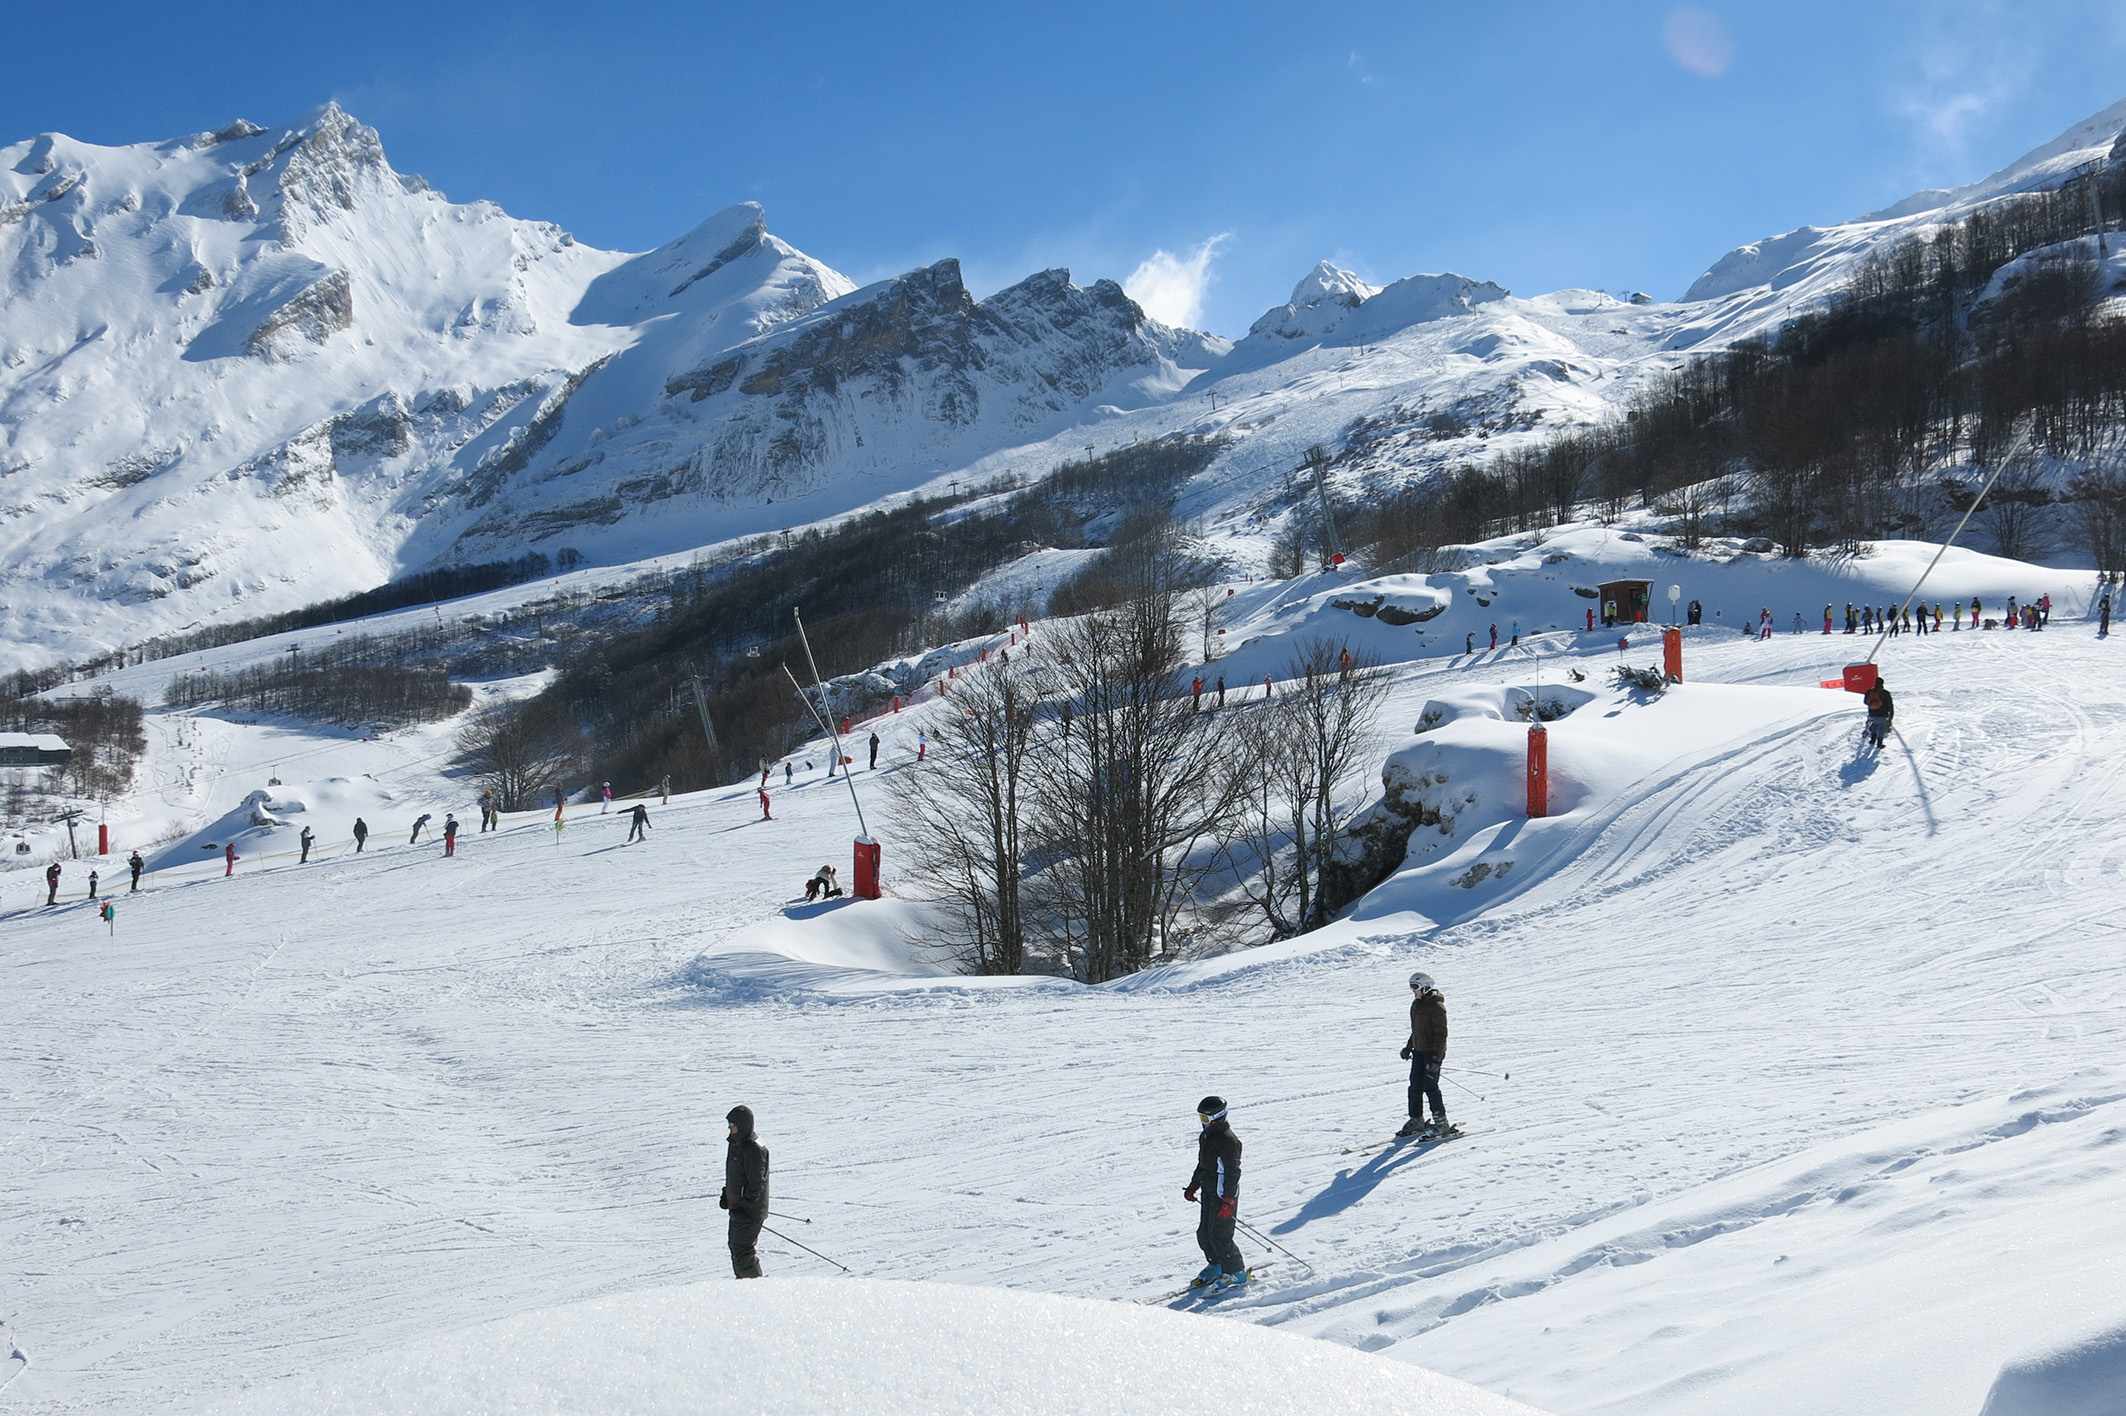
1330, 281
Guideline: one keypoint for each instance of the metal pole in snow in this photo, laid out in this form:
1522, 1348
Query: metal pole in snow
827, 722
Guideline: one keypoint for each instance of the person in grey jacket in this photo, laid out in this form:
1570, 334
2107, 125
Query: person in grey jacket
745, 1191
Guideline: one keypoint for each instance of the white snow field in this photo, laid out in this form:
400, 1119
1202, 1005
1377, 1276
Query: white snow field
1815, 1095
809, 1345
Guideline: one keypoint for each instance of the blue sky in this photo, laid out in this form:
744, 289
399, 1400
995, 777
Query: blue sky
1213, 152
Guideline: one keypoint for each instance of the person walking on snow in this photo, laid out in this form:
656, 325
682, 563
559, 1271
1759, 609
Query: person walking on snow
229, 859
450, 834
135, 864
1427, 1052
304, 840
93, 877
874, 752
789, 774
745, 1190
361, 834
1215, 1187
1221, 690
419, 824
1195, 695
1881, 709
664, 790
638, 822
605, 797
51, 883
487, 811
1826, 619
1469, 642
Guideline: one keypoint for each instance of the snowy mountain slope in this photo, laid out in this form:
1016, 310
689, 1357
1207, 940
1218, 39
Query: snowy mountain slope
1768, 1087
250, 369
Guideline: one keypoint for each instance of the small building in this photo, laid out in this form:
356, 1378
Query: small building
34, 750
1625, 601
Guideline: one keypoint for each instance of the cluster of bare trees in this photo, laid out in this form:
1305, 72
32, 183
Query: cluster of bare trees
333, 686
518, 756
106, 733
1083, 811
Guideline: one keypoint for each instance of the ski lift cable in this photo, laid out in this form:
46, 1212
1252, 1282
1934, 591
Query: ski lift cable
1999, 465
833, 737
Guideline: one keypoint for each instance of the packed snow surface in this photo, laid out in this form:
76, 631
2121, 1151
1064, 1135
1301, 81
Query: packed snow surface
814, 1345
1804, 1043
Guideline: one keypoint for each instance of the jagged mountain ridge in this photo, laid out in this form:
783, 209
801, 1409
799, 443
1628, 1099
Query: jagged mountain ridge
251, 368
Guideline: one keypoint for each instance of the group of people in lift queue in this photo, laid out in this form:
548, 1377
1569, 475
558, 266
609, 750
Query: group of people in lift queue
1213, 1185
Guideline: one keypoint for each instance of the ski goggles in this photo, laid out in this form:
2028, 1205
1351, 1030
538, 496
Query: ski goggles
1205, 1118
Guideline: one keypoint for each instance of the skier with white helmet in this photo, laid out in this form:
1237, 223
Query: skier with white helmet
1426, 1051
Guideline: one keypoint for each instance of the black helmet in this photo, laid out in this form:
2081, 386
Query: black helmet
1210, 1109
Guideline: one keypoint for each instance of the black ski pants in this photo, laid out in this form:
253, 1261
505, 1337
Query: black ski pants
1424, 1083
634, 832
1215, 1237
745, 1234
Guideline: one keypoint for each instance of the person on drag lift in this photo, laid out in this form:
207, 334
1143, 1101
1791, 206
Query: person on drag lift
1215, 1186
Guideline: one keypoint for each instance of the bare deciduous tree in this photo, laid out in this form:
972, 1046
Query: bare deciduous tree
962, 814
513, 752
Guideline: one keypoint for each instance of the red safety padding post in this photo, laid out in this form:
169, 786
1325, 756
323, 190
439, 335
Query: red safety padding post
1538, 771
866, 868
1672, 654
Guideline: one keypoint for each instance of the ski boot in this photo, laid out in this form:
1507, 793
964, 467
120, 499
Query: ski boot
1410, 1128
1205, 1279
1231, 1282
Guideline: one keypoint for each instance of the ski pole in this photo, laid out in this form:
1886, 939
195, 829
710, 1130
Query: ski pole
1266, 1239
1502, 1076
1471, 1091
794, 1219
813, 1252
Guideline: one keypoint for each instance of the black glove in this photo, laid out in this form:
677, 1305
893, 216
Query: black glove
1406, 1052
723, 1199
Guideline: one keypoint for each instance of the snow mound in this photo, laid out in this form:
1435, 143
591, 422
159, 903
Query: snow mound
812, 1345
2082, 1376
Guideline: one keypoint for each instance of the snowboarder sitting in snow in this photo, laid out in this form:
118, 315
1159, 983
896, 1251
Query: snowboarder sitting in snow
1426, 1051
1217, 1181
745, 1191
822, 885
1881, 709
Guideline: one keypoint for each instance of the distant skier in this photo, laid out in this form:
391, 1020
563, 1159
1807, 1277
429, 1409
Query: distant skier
2044, 610
93, 878
764, 815
1881, 709
605, 797
304, 840
1426, 1051
450, 834
1469, 642
1195, 695
922, 738
51, 883
1221, 690
1826, 619
822, 885
361, 834
1215, 1187
638, 822
874, 752
664, 790
1974, 612
1590, 619
420, 824
1494, 636
789, 775
1852, 618
229, 859
135, 864
490, 818
2103, 616
745, 1190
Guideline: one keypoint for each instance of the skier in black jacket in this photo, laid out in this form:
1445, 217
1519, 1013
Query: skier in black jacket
1217, 1183
1426, 1051
135, 864
638, 822
745, 1191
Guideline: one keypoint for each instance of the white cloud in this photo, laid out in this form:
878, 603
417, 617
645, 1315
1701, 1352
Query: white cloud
1962, 72
1698, 42
1170, 287
1360, 70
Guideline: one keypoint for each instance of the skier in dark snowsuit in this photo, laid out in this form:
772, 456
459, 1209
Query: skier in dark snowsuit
1216, 1188
874, 752
1881, 710
305, 839
745, 1191
1426, 1051
135, 864
420, 822
638, 822
51, 883
361, 834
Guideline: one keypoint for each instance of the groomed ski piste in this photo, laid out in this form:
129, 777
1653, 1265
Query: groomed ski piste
1815, 1096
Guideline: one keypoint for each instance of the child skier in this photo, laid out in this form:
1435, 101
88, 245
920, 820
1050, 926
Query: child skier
1426, 1051
1217, 1182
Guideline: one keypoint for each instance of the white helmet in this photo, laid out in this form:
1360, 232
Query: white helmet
1421, 982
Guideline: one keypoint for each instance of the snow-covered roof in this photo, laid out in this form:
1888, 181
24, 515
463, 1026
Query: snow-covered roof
42, 742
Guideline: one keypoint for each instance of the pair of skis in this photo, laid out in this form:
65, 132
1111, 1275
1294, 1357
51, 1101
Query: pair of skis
1204, 1293
1419, 1138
